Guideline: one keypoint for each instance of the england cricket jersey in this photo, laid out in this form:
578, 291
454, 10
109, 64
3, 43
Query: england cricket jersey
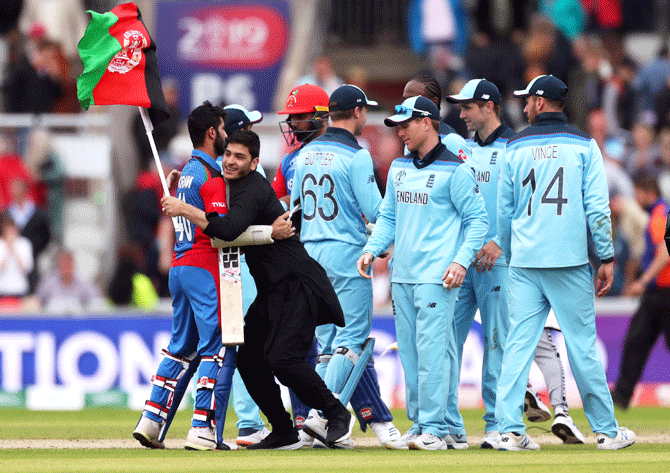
335, 184
552, 184
434, 212
454, 142
486, 157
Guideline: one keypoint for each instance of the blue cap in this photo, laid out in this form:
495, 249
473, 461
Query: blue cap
477, 89
348, 97
549, 87
413, 107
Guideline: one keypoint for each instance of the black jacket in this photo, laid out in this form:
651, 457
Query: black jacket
252, 201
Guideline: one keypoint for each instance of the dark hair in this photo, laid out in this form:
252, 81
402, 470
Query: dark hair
559, 104
249, 139
342, 115
201, 119
433, 89
647, 182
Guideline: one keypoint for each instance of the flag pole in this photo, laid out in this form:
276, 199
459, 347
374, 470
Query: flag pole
148, 126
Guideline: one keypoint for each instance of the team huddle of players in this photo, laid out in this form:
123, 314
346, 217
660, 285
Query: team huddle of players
465, 240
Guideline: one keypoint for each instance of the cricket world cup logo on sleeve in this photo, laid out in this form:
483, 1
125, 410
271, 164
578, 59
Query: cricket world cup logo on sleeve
131, 54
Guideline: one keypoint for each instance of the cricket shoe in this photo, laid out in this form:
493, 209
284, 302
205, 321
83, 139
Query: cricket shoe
457, 441
427, 441
565, 429
249, 436
202, 438
147, 432
491, 439
516, 443
315, 426
307, 440
535, 409
385, 432
402, 443
339, 430
624, 438
290, 441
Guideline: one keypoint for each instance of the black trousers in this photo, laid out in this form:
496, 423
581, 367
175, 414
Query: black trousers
652, 318
278, 333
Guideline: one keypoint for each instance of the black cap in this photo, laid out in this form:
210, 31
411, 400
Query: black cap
477, 89
549, 87
348, 97
413, 107
238, 117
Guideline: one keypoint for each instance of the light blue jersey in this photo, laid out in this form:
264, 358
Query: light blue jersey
552, 183
335, 184
454, 142
434, 212
486, 159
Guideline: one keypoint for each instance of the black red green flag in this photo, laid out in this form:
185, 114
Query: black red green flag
120, 65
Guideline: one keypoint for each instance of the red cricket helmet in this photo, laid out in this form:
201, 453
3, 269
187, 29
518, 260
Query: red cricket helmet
306, 98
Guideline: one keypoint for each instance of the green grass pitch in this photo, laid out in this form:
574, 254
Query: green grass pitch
651, 453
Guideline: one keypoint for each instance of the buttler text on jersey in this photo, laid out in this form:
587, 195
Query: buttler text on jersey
324, 159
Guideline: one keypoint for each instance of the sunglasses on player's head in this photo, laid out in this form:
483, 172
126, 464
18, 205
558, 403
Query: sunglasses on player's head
402, 110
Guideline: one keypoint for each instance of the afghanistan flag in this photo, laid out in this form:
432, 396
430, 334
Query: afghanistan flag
120, 65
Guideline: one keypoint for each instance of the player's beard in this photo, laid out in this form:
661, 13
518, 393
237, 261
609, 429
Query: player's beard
219, 144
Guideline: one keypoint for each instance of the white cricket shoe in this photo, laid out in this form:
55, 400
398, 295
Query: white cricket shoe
457, 441
565, 429
147, 432
315, 426
624, 438
491, 439
307, 440
427, 441
201, 438
385, 432
516, 443
402, 443
535, 409
248, 437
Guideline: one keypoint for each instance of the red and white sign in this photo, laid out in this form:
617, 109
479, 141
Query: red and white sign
233, 37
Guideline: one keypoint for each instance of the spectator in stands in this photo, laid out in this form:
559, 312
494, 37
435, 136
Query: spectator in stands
32, 223
651, 79
651, 317
163, 132
62, 290
16, 260
587, 79
618, 100
64, 21
322, 75
43, 163
34, 85
664, 175
663, 106
13, 167
644, 155
612, 149
129, 287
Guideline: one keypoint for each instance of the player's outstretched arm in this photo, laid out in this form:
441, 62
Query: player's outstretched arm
174, 207
363, 264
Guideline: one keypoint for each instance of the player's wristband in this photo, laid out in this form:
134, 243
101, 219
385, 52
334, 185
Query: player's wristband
608, 260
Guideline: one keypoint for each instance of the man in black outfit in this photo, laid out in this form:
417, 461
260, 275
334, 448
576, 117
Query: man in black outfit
294, 296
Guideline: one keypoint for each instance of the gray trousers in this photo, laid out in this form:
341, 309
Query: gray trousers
549, 362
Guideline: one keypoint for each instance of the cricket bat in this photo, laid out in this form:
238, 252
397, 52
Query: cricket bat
230, 291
